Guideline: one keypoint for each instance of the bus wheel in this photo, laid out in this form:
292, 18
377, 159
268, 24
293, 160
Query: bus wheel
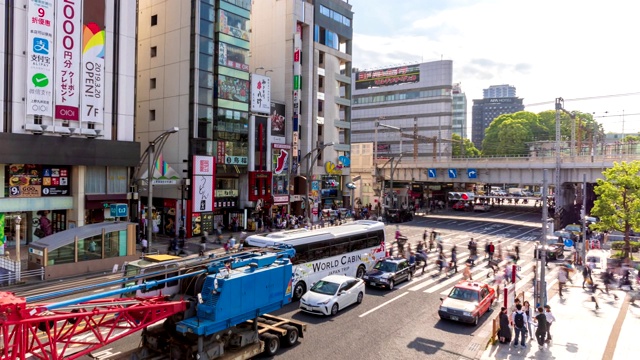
299, 290
360, 272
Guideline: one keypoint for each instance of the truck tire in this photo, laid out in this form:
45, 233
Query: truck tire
291, 337
271, 344
299, 290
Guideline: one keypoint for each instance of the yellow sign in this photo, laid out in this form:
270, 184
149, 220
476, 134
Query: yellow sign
331, 169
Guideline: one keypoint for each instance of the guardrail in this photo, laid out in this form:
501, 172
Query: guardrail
12, 279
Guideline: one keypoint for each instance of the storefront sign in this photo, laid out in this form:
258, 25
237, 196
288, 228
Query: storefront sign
280, 161
296, 198
203, 183
93, 66
221, 152
281, 199
260, 94
31, 180
67, 65
40, 31
281, 146
226, 193
235, 160
332, 169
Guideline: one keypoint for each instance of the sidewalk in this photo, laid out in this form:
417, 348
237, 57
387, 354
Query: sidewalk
580, 331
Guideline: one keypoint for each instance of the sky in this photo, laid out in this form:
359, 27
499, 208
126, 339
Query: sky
584, 51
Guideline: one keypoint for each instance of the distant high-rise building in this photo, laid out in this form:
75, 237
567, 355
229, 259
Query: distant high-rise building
459, 110
499, 91
484, 111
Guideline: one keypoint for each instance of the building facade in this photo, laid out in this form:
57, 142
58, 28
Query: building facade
66, 126
305, 46
499, 91
459, 110
484, 111
415, 98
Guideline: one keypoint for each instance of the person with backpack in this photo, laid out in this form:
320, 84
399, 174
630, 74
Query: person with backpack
586, 276
519, 321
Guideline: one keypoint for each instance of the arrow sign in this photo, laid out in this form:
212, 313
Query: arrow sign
433, 173
472, 173
453, 173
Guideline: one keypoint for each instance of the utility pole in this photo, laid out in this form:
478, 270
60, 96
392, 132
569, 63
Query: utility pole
584, 217
556, 191
541, 285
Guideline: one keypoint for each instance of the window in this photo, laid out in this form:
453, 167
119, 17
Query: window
152, 115
321, 82
320, 105
152, 83
154, 51
95, 181
321, 58
154, 20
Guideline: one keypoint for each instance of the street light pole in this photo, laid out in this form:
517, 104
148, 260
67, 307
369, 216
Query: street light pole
152, 158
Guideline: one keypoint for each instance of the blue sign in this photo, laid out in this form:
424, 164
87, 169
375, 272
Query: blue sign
433, 173
453, 173
315, 185
472, 173
119, 210
40, 46
568, 242
346, 162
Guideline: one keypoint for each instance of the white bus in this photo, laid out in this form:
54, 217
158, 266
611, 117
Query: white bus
350, 249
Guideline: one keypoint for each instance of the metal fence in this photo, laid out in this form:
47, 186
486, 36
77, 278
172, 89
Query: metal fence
9, 270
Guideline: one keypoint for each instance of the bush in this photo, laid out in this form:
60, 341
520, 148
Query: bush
620, 255
619, 245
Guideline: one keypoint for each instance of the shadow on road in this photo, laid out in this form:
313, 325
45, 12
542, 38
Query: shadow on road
431, 347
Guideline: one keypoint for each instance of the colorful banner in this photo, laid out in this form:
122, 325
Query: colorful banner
93, 71
67, 61
40, 30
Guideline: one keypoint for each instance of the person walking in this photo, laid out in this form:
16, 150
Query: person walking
143, 244
526, 308
466, 274
519, 320
586, 276
550, 319
562, 280
203, 244
492, 250
424, 235
182, 235
541, 331
454, 259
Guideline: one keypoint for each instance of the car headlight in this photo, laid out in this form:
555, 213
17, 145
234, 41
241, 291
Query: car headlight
384, 280
324, 302
466, 313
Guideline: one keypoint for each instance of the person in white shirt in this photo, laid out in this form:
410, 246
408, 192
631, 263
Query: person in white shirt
144, 243
550, 320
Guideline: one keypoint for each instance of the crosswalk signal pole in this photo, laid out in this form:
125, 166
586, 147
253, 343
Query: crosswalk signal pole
541, 294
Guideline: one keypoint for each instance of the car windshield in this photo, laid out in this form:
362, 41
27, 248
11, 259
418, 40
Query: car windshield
385, 266
325, 287
464, 294
573, 228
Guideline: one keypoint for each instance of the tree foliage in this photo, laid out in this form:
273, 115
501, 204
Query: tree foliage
508, 134
618, 200
468, 147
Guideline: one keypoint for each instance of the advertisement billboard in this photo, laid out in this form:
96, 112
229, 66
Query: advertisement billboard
40, 31
67, 59
260, 94
385, 77
233, 57
234, 89
93, 70
277, 123
203, 183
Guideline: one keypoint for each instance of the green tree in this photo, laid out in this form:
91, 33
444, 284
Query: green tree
618, 200
468, 147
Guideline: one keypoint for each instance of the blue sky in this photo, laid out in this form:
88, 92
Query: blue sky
564, 48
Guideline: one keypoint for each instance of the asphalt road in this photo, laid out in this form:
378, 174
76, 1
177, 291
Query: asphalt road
403, 323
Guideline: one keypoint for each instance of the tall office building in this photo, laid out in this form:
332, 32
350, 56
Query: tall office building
402, 97
66, 125
459, 109
305, 46
499, 91
498, 100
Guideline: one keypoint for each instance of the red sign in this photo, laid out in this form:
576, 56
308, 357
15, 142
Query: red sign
221, 152
314, 211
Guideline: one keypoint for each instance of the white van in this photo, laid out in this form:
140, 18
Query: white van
597, 260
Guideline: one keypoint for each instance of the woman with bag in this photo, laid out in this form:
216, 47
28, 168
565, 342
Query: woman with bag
504, 334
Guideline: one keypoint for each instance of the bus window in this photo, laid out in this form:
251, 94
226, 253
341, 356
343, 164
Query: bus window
155, 278
372, 241
339, 248
380, 234
356, 245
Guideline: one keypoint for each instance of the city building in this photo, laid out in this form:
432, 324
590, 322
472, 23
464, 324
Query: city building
459, 109
499, 91
66, 127
484, 111
409, 97
306, 48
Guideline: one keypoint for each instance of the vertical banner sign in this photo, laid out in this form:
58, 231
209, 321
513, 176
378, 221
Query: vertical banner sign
40, 28
260, 94
202, 184
297, 72
93, 71
2, 239
67, 64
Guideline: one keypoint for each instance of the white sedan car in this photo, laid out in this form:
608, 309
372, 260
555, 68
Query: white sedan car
331, 294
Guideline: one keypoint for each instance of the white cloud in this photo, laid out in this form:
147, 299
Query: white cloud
547, 49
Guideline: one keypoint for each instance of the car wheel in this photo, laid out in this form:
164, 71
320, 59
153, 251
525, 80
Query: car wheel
334, 309
360, 297
391, 284
299, 290
360, 272
409, 276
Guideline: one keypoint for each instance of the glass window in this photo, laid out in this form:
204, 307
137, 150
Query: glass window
234, 25
205, 96
206, 28
233, 56
96, 180
207, 46
62, 255
206, 62
325, 11
117, 181
207, 12
115, 244
205, 79
90, 248
346, 21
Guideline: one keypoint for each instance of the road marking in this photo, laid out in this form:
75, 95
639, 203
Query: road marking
522, 281
480, 274
383, 304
